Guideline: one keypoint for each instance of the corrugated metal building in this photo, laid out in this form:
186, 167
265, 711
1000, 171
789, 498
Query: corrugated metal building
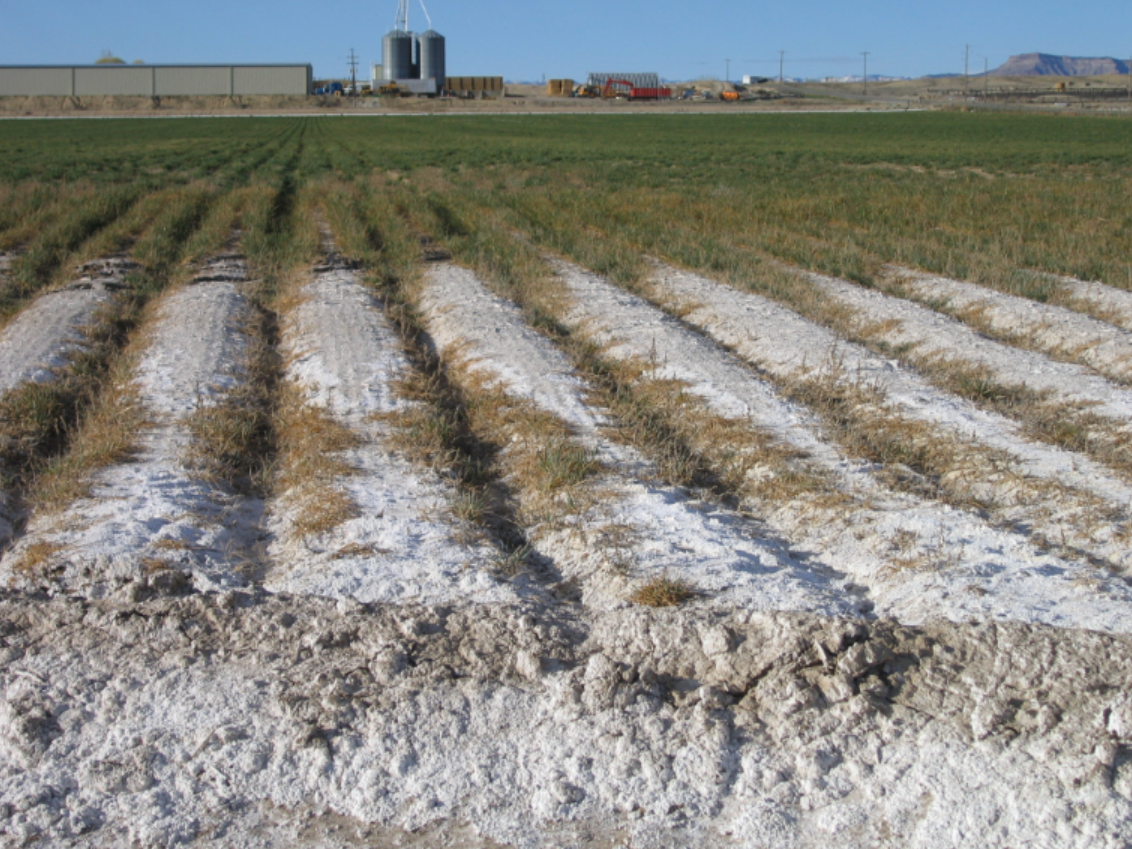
153, 80
634, 79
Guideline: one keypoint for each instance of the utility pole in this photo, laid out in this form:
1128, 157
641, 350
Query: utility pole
865, 74
986, 79
781, 64
727, 76
1130, 79
353, 73
966, 60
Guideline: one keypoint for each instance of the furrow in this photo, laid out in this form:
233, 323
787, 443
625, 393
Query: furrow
151, 518
506, 352
625, 528
1058, 331
1105, 302
389, 535
784, 343
40, 338
928, 335
919, 558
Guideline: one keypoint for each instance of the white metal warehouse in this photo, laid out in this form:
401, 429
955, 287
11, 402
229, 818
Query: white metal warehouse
153, 80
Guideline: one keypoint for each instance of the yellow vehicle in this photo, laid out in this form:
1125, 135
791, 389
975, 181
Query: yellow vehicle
389, 88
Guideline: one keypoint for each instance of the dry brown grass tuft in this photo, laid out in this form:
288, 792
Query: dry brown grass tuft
320, 508
169, 544
231, 440
38, 558
154, 565
356, 549
234, 440
694, 446
311, 440
913, 455
310, 463
543, 463
663, 591
1072, 426
105, 434
432, 429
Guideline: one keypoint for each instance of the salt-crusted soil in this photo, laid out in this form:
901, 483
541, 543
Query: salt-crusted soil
230, 719
150, 514
39, 339
1056, 330
902, 323
776, 339
918, 559
181, 665
655, 529
401, 543
782, 342
1104, 302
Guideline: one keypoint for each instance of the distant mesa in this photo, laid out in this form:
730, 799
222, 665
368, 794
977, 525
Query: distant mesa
1045, 65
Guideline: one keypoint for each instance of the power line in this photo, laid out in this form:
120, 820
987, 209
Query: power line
966, 59
353, 73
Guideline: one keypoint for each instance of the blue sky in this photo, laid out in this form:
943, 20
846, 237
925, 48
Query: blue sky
526, 40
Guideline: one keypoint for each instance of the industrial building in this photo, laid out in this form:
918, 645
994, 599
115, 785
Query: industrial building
153, 80
416, 63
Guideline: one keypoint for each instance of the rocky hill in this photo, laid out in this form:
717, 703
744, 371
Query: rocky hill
1043, 64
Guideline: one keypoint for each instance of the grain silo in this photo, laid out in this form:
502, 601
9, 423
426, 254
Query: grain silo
430, 56
397, 55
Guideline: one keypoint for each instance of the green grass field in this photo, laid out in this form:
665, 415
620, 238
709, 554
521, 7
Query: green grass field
983, 197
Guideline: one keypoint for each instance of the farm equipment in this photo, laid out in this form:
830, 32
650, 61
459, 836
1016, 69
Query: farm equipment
633, 93
617, 88
389, 88
729, 96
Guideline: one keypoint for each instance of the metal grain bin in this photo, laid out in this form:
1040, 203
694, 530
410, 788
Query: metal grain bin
430, 54
397, 56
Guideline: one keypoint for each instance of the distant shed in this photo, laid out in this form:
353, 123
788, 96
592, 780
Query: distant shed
154, 80
636, 80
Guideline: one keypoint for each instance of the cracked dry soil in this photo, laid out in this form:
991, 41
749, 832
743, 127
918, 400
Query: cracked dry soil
163, 716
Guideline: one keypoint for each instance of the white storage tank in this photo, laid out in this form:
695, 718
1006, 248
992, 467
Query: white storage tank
430, 54
397, 56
